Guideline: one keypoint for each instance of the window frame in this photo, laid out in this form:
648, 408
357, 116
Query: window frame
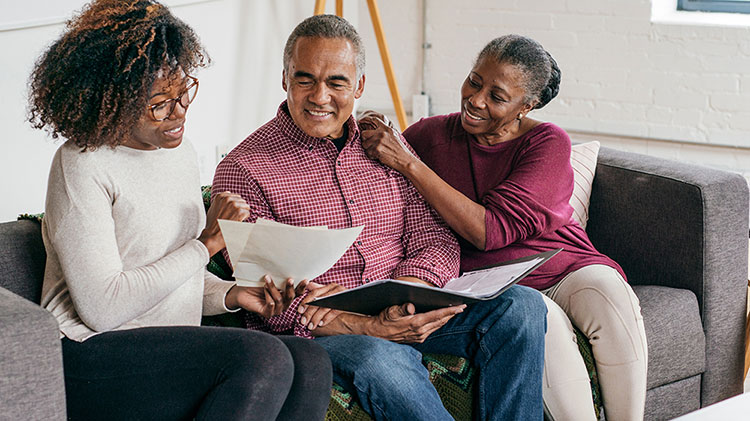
723, 6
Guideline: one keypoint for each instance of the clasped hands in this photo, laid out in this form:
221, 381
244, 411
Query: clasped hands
382, 142
399, 323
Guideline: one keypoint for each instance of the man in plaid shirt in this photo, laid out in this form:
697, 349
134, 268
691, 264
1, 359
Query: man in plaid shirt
307, 167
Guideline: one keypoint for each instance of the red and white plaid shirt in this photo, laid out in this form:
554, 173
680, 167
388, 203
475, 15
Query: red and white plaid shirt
290, 177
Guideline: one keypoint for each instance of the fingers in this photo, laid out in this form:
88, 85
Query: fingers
274, 301
317, 290
443, 312
230, 206
329, 317
313, 316
371, 113
301, 287
433, 320
400, 324
367, 118
289, 291
399, 312
366, 125
432, 326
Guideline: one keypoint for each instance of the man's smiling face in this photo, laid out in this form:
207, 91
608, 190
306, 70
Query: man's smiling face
321, 85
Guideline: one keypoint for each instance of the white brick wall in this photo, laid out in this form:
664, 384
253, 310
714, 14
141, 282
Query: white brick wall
623, 76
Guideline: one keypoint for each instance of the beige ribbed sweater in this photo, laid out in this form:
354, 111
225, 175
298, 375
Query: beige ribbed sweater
120, 229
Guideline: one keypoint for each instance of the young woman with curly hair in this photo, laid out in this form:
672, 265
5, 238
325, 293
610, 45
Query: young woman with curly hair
128, 240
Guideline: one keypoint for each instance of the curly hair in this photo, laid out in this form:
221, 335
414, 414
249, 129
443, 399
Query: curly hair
93, 84
539, 69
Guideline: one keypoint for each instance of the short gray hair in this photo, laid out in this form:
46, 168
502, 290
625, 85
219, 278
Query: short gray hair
326, 26
540, 72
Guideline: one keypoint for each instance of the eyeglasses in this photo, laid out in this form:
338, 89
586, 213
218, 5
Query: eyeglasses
163, 109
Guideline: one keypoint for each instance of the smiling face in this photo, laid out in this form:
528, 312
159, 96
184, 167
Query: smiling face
321, 85
492, 97
149, 134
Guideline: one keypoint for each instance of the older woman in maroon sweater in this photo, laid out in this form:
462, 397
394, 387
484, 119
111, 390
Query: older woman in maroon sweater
503, 181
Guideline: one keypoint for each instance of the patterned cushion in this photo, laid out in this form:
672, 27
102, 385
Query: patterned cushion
452, 376
583, 159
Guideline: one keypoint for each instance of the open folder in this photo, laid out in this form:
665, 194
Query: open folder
477, 285
283, 251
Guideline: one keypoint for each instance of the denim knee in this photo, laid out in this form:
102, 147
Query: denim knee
526, 306
520, 312
382, 356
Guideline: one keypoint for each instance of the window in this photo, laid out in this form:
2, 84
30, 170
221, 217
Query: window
727, 6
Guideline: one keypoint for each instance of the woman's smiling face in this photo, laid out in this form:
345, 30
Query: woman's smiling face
492, 97
151, 134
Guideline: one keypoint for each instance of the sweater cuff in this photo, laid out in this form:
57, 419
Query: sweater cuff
214, 295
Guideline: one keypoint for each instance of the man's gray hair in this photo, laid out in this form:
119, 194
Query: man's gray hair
326, 26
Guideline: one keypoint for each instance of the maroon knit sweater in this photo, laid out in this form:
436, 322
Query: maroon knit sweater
524, 184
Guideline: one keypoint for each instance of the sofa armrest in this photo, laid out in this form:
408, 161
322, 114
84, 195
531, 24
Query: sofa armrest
682, 226
31, 368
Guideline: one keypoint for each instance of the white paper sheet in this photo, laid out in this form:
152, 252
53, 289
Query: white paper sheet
484, 283
283, 251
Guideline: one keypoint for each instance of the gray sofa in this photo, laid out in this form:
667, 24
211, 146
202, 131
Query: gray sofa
679, 231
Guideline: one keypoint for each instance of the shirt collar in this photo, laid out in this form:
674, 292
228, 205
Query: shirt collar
291, 130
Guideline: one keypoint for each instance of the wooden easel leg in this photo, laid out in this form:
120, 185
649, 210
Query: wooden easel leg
320, 7
386, 57
747, 347
340, 8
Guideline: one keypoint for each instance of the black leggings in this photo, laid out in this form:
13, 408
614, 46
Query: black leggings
206, 373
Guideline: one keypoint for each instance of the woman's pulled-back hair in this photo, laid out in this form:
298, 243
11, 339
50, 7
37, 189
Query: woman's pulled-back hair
93, 84
540, 72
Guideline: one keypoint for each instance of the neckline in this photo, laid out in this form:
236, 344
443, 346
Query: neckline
285, 122
502, 145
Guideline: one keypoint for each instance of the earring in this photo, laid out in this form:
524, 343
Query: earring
520, 116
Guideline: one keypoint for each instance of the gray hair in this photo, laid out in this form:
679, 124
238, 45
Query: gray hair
326, 26
539, 70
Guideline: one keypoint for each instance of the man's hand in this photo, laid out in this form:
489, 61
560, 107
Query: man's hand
268, 301
382, 142
312, 316
400, 324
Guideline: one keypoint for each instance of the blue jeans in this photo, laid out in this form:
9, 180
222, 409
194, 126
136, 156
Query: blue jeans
503, 339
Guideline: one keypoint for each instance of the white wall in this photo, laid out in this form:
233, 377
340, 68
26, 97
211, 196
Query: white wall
679, 91
675, 90
238, 93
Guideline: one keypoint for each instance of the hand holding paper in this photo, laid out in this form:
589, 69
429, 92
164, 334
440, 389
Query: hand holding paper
283, 251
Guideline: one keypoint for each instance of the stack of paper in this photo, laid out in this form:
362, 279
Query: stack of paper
283, 251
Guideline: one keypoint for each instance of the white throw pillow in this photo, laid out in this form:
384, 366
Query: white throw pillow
583, 159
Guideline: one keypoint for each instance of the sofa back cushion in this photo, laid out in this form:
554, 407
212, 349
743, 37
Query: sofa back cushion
22, 258
583, 160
